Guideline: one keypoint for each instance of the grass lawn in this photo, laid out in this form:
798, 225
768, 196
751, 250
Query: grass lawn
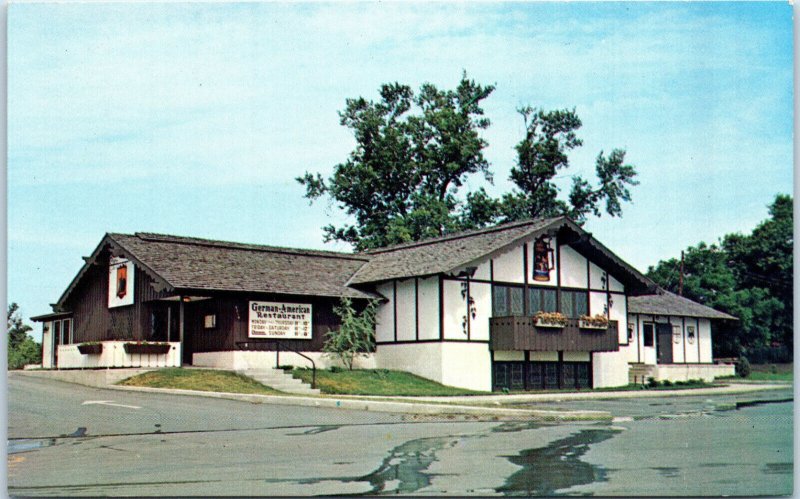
377, 382
771, 372
206, 380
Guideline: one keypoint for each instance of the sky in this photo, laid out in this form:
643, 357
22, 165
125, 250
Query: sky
194, 119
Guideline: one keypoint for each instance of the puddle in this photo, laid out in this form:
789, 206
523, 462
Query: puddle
556, 467
317, 430
667, 471
778, 469
751, 403
513, 426
15, 446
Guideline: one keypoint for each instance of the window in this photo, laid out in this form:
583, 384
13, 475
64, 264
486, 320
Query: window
66, 330
541, 300
574, 303
649, 331
210, 321
57, 332
507, 300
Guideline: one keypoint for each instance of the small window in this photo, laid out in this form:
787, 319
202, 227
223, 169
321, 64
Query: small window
517, 301
500, 301
649, 331
690, 334
541, 300
67, 331
210, 321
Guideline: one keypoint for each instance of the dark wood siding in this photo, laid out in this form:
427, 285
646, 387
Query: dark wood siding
232, 314
519, 333
94, 321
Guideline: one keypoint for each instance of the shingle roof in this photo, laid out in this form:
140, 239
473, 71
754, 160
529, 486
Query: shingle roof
666, 303
442, 254
203, 264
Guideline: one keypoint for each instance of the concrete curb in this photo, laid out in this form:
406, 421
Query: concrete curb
333, 402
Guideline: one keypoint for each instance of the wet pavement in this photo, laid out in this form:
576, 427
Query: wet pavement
732, 445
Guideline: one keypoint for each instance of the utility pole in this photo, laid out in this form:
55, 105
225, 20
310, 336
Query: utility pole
680, 282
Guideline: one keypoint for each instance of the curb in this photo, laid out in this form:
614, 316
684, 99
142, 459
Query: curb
383, 406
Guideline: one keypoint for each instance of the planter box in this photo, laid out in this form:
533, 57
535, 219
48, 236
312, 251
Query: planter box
94, 349
589, 325
147, 349
542, 323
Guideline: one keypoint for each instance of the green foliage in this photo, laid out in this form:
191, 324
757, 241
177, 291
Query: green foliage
743, 367
652, 383
22, 349
747, 276
207, 380
549, 136
414, 152
356, 335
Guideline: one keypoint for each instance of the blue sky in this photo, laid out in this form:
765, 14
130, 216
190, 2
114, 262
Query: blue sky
194, 119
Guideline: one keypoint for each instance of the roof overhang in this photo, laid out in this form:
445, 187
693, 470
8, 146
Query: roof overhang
51, 317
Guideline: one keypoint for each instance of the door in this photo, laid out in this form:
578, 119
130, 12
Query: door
664, 343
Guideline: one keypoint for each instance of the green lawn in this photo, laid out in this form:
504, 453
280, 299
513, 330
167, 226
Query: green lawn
206, 380
771, 372
377, 382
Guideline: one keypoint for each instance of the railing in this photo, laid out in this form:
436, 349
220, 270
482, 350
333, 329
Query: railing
522, 333
260, 346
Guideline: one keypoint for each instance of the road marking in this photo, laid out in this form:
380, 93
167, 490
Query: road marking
109, 402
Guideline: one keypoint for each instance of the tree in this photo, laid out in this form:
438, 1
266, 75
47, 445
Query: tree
413, 153
356, 335
549, 136
747, 276
21, 347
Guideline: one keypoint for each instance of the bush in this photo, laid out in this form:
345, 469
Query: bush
743, 367
651, 382
335, 369
769, 355
666, 382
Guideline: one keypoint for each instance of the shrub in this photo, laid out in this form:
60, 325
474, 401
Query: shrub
651, 382
335, 369
743, 367
356, 335
666, 382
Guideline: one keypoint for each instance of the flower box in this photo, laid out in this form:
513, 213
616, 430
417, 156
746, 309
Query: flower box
90, 348
147, 348
583, 324
546, 323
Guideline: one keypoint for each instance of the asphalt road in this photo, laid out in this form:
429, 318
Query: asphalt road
67, 439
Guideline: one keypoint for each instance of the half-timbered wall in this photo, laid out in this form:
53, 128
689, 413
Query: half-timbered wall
685, 349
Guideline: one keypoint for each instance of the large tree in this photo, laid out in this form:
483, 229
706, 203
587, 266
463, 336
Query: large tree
543, 153
413, 153
748, 276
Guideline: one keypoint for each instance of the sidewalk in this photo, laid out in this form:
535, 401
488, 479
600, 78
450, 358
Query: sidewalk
473, 405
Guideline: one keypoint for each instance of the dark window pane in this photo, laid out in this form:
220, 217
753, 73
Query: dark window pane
567, 307
549, 302
500, 375
535, 381
500, 301
569, 374
534, 300
517, 301
583, 375
649, 334
66, 325
516, 376
550, 375
581, 304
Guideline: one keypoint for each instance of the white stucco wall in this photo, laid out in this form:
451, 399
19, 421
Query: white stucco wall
509, 355
577, 356
429, 308
596, 275
422, 359
597, 302
114, 355
615, 285
544, 356
47, 345
482, 296
706, 353
508, 267
242, 360
406, 311
384, 327
573, 268
455, 310
618, 311
691, 346
609, 369
684, 372
677, 348
467, 365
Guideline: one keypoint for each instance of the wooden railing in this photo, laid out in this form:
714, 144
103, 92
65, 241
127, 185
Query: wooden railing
521, 333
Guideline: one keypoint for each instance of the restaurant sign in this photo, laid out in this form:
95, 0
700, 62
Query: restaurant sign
279, 320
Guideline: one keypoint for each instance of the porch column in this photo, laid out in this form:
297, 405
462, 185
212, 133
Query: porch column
180, 328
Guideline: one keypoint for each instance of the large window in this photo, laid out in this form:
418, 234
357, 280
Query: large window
541, 300
507, 300
649, 331
574, 303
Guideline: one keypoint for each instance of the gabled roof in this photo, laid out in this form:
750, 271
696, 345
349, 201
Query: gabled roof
447, 253
666, 303
184, 263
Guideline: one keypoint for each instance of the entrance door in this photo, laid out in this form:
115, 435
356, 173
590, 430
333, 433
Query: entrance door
664, 343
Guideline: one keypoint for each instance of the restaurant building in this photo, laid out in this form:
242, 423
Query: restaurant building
512, 306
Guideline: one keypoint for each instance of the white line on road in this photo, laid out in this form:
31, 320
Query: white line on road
109, 402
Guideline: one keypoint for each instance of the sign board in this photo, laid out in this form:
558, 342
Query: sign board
120, 282
279, 320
